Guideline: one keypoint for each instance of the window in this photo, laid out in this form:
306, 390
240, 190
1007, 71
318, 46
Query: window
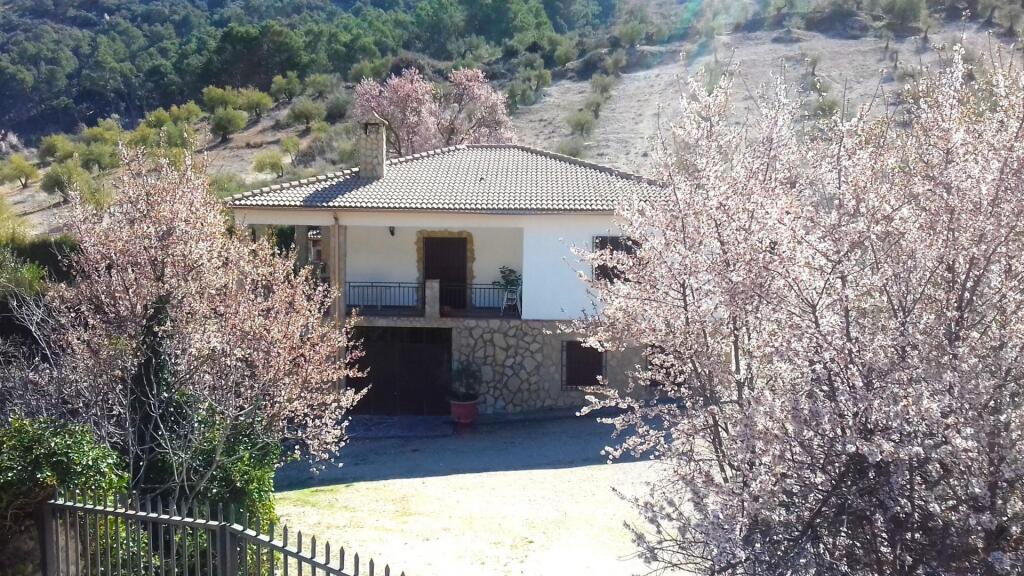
615, 244
580, 365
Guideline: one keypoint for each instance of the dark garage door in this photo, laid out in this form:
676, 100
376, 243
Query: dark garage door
408, 370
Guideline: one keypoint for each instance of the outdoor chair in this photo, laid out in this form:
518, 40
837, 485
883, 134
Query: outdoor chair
511, 299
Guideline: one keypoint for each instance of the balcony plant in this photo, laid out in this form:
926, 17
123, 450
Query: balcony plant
509, 278
465, 392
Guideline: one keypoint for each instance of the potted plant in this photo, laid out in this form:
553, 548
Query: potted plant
465, 392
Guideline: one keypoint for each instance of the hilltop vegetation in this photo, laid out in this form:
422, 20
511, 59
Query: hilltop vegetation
75, 62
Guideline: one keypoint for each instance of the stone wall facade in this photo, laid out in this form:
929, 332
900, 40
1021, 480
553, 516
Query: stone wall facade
520, 361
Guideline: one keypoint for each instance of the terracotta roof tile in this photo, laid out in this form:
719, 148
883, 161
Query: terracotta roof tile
474, 178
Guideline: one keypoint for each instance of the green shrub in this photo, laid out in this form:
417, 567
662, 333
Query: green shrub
49, 252
66, 176
615, 62
903, 13
56, 148
305, 111
226, 184
571, 147
602, 84
215, 98
565, 53
285, 87
36, 458
99, 156
255, 102
631, 33
12, 226
18, 276
337, 107
157, 118
187, 113
346, 153
269, 162
290, 145
318, 85
227, 121
581, 122
18, 169
593, 105
374, 69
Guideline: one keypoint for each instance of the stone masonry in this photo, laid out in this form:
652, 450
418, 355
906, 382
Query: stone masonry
520, 361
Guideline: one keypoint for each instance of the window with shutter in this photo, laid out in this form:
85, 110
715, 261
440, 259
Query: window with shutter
581, 366
615, 244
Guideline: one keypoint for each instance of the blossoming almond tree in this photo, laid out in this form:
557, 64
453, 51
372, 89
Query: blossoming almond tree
422, 116
832, 319
178, 332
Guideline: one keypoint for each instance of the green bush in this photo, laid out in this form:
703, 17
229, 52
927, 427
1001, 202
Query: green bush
255, 102
305, 111
285, 87
269, 162
18, 276
374, 69
66, 176
56, 148
227, 121
565, 53
49, 252
290, 145
337, 107
215, 98
12, 227
581, 122
227, 184
99, 156
593, 105
602, 84
318, 85
571, 147
18, 169
615, 62
187, 113
36, 458
903, 13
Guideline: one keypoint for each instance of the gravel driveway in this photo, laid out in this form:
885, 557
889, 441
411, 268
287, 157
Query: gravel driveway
505, 498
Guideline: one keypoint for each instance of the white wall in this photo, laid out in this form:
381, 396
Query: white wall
374, 255
552, 289
541, 242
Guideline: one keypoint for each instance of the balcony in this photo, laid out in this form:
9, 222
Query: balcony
432, 299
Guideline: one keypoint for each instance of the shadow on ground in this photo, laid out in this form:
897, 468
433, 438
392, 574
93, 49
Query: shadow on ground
384, 449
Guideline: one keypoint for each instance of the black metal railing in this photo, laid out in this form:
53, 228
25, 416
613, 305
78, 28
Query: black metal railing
400, 298
129, 535
484, 300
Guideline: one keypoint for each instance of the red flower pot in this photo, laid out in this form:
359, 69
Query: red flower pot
464, 412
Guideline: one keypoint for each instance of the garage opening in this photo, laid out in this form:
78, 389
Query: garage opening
409, 370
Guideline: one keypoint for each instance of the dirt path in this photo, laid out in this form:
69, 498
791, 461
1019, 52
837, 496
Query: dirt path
539, 501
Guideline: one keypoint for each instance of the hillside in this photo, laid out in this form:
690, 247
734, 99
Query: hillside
629, 120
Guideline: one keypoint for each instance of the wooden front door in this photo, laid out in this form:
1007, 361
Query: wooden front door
408, 370
446, 259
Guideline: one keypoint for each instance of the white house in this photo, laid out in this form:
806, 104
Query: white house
417, 246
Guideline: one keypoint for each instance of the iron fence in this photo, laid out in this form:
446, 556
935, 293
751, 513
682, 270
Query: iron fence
380, 296
484, 300
87, 534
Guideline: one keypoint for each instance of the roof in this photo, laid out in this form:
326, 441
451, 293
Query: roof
497, 178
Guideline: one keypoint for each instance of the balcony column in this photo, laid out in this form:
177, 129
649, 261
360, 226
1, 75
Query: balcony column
301, 241
337, 269
432, 299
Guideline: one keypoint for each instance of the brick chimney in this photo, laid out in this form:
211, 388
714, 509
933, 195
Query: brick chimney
372, 150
